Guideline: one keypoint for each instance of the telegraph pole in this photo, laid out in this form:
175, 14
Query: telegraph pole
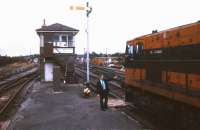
88, 11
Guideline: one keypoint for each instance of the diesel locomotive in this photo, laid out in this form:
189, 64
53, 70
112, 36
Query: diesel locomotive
162, 71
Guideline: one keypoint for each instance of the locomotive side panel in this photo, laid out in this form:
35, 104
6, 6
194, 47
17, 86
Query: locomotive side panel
167, 58
198, 33
176, 78
194, 81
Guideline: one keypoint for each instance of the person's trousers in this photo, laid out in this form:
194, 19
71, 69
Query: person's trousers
104, 100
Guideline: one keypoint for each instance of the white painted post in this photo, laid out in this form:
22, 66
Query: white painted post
88, 11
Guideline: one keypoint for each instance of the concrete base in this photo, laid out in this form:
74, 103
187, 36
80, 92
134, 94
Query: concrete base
66, 109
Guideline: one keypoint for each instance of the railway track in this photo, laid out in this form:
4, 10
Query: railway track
109, 70
14, 69
115, 87
9, 91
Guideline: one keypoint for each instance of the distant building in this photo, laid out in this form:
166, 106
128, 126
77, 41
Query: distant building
104, 60
57, 48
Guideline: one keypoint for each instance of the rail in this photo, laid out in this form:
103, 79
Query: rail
10, 90
115, 88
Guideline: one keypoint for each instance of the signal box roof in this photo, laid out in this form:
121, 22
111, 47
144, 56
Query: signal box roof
56, 28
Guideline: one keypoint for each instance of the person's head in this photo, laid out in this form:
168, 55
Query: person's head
101, 77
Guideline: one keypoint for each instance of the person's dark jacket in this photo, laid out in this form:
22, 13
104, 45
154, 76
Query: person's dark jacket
100, 88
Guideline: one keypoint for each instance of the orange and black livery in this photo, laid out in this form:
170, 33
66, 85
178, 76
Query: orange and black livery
165, 64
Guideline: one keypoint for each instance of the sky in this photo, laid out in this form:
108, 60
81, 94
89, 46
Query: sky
111, 23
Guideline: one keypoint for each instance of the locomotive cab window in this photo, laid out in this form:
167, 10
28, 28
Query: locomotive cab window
130, 50
139, 48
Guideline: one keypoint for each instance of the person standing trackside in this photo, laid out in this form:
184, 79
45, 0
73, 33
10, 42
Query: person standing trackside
103, 90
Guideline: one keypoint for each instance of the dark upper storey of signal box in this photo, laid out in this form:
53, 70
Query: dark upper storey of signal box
56, 39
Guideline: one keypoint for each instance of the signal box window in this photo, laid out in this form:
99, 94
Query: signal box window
70, 41
56, 38
64, 38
